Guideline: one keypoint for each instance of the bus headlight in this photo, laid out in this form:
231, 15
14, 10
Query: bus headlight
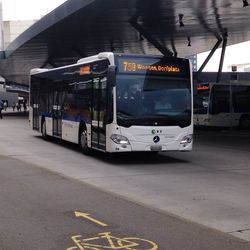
119, 139
187, 139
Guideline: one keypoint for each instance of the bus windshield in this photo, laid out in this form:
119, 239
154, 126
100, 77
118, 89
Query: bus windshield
152, 100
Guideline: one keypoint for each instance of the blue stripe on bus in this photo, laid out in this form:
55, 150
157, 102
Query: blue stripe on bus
68, 117
46, 114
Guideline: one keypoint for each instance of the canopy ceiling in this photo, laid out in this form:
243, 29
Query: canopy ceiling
80, 28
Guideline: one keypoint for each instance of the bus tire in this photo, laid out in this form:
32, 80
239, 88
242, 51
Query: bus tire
43, 130
83, 141
245, 122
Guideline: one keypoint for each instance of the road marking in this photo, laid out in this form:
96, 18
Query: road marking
87, 216
106, 240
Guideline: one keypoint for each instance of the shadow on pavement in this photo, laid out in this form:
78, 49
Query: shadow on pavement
120, 158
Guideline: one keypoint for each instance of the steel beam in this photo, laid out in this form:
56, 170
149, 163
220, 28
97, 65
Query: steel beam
224, 45
209, 56
165, 51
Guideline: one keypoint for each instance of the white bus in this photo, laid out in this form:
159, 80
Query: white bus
108, 102
222, 105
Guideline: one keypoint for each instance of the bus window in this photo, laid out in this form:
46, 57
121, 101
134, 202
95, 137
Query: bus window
83, 93
241, 99
220, 97
201, 102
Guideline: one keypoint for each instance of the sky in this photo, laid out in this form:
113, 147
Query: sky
28, 9
235, 54
35, 9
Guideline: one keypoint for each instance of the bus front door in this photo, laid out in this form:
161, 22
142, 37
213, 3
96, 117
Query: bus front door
35, 116
98, 126
57, 114
35, 107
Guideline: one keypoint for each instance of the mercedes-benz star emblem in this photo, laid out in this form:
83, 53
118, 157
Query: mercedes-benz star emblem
156, 139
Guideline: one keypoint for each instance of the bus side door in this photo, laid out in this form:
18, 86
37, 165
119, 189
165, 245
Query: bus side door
99, 108
35, 106
220, 106
57, 113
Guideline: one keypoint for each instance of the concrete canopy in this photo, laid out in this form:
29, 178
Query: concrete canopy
80, 28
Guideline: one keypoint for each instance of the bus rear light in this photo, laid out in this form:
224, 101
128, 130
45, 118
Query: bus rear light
186, 140
120, 139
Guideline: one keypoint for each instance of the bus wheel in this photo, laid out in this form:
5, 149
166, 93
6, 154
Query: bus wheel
44, 135
245, 122
84, 142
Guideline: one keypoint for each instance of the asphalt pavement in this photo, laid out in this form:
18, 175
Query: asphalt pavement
44, 210
53, 197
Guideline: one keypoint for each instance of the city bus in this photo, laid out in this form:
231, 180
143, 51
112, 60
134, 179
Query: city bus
222, 105
107, 102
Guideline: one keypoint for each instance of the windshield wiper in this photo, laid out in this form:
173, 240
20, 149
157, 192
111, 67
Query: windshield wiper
123, 114
127, 117
155, 116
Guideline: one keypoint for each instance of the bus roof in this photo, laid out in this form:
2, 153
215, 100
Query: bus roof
103, 55
100, 56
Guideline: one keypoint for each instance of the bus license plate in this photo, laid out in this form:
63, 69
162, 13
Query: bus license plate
155, 148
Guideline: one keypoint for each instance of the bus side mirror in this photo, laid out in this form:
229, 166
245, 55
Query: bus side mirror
111, 75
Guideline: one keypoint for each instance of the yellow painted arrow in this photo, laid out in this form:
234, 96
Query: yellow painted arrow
87, 216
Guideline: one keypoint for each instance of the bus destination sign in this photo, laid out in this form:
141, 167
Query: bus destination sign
137, 67
154, 66
203, 87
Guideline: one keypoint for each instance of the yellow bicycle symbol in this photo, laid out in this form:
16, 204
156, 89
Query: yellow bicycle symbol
107, 241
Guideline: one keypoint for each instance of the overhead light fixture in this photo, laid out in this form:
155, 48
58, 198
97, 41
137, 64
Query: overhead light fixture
245, 3
189, 41
180, 20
